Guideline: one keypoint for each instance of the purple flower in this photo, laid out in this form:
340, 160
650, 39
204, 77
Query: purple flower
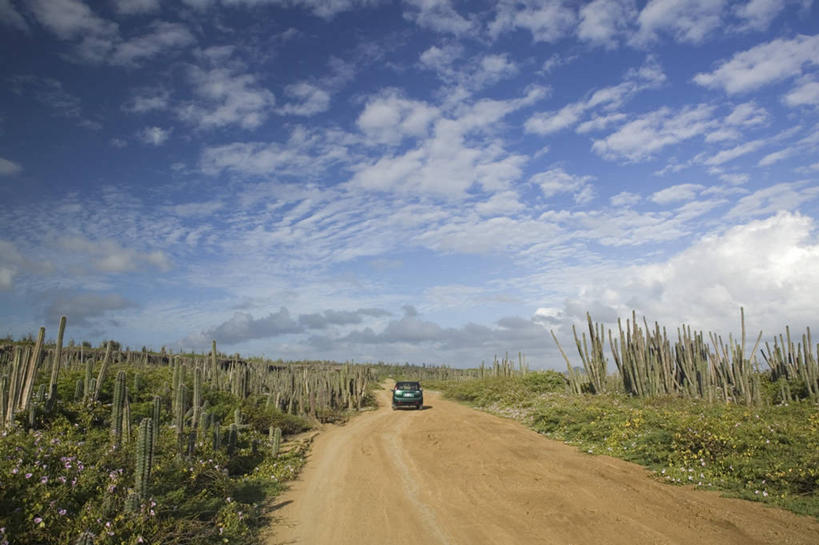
62, 512
37, 520
28, 475
14, 471
43, 479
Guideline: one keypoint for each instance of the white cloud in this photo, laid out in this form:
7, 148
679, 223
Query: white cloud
454, 158
304, 154
758, 14
805, 93
131, 7
72, 18
438, 15
109, 256
775, 157
389, 118
767, 266
227, 98
310, 100
686, 20
548, 21
648, 76
11, 17
640, 139
625, 198
148, 100
156, 136
748, 114
776, 198
162, 36
676, 193
737, 151
600, 122
762, 65
602, 22
9, 168
82, 308
557, 180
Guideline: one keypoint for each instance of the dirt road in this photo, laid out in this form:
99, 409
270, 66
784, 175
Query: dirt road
450, 475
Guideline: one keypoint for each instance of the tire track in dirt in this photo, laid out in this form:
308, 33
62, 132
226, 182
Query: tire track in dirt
451, 475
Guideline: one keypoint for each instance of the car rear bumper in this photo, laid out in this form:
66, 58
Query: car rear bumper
407, 401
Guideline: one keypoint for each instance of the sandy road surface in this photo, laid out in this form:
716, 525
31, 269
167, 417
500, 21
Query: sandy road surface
452, 475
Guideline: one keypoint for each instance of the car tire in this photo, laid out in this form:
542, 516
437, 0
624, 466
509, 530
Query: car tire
418, 406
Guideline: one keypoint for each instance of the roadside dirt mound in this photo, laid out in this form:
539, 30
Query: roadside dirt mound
452, 475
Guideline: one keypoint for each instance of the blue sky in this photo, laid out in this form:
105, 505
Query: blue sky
423, 181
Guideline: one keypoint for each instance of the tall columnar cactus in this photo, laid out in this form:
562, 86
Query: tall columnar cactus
217, 435
89, 370
144, 457
55, 366
214, 367
179, 417
233, 439
276, 440
78, 390
86, 538
197, 397
31, 372
118, 408
4, 399
156, 415
103, 369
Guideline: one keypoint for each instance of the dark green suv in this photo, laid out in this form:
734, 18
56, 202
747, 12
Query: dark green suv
407, 394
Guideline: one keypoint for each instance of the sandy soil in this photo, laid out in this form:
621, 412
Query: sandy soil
453, 475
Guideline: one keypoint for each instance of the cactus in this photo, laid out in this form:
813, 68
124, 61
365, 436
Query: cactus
137, 382
118, 407
156, 414
86, 538
31, 372
276, 440
89, 370
55, 366
233, 439
78, 389
144, 457
197, 397
217, 435
103, 369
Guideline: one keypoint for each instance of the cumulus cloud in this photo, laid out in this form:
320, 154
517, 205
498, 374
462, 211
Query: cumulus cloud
389, 117
155, 136
686, 20
675, 193
640, 139
11, 17
765, 265
557, 180
437, 15
82, 309
546, 21
132, 7
648, 76
243, 326
111, 257
307, 100
602, 22
762, 65
339, 317
226, 97
805, 93
9, 168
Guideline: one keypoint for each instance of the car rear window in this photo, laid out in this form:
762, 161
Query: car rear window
407, 386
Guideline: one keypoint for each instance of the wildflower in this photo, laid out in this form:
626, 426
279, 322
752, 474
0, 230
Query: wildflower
62, 512
28, 475
37, 520
765, 493
14, 471
44, 479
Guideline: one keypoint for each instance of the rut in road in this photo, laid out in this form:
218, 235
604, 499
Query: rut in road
451, 475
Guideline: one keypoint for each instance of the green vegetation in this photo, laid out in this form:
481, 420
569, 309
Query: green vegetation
107, 446
767, 453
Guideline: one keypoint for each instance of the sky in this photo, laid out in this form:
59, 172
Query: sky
427, 181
